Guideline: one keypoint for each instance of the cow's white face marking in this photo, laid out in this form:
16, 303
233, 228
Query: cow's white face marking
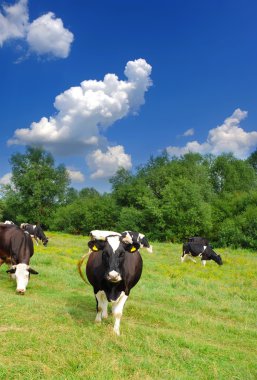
150, 249
114, 242
22, 277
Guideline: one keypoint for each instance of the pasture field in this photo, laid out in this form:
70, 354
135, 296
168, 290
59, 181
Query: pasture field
181, 321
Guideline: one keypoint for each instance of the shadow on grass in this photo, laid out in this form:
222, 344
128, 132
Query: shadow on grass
82, 308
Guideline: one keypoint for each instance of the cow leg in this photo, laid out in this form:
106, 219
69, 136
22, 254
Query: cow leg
204, 262
102, 304
192, 259
36, 240
186, 256
117, 309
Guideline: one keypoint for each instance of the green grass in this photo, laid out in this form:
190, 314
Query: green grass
181, 321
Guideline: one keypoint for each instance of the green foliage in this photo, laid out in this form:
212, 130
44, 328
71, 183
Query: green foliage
168, 199
85, 214
37, 186
229, 174
185, 211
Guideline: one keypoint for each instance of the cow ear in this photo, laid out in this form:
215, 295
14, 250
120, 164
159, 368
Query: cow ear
11, 270
95, 245
132, 247
32, 271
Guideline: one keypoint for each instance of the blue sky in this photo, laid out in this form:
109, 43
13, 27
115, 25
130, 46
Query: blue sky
107, 84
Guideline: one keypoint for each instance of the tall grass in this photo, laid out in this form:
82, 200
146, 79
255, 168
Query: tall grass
181, 321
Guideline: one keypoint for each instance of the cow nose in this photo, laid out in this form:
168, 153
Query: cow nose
114, 276
20, 291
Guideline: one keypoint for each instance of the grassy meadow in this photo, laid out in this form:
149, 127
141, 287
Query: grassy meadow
181, 321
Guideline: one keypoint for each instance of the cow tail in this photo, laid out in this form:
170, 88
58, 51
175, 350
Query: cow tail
80, 262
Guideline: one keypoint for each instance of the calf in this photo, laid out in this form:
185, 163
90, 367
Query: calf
113, 268
16, 249
36, 232
198, 246
138, 237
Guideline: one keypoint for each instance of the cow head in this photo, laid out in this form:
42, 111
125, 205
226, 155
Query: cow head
45, 241
21, 273
113, 249
217, 259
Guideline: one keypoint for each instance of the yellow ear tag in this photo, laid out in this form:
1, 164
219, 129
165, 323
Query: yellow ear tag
94, 248
133, 249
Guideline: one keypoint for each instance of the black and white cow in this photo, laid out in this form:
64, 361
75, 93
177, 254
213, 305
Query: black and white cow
35, 231
16, 249
199, 246
140, 238
113, 268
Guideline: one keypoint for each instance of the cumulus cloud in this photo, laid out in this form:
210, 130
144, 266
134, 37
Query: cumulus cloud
85, 112
189, 132
76, 175
226, 138
45, 35
6, 179
13, 21
105, 164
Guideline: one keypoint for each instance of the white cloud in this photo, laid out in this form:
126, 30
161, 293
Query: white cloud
85, 111
45, 35
6, 179
226, 138
105, 164
189, 132
13, 21
76, 175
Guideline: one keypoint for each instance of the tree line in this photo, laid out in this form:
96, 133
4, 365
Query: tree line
168, 198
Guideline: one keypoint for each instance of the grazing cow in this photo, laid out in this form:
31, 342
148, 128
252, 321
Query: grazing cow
16, 249
36, 232
114, 267
198, 246
140, 238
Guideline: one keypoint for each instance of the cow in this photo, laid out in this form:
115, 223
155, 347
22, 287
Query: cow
113, 268
199, 246
140, 238
35, 232
16, 249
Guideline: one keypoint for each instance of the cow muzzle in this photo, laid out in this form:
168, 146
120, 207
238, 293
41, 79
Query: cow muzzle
113, 276
20, 291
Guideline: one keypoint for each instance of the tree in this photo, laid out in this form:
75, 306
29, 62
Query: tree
37, 186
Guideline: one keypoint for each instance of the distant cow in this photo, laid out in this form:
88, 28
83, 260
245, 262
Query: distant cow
36, 232
198, 246
138, 237
16, 249
114, 267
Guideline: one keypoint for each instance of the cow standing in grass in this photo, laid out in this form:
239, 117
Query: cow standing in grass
199, 246
36, 232
113, 268
140, 238
16, 249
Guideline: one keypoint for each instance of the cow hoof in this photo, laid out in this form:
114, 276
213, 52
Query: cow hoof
117, 331
98, 319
